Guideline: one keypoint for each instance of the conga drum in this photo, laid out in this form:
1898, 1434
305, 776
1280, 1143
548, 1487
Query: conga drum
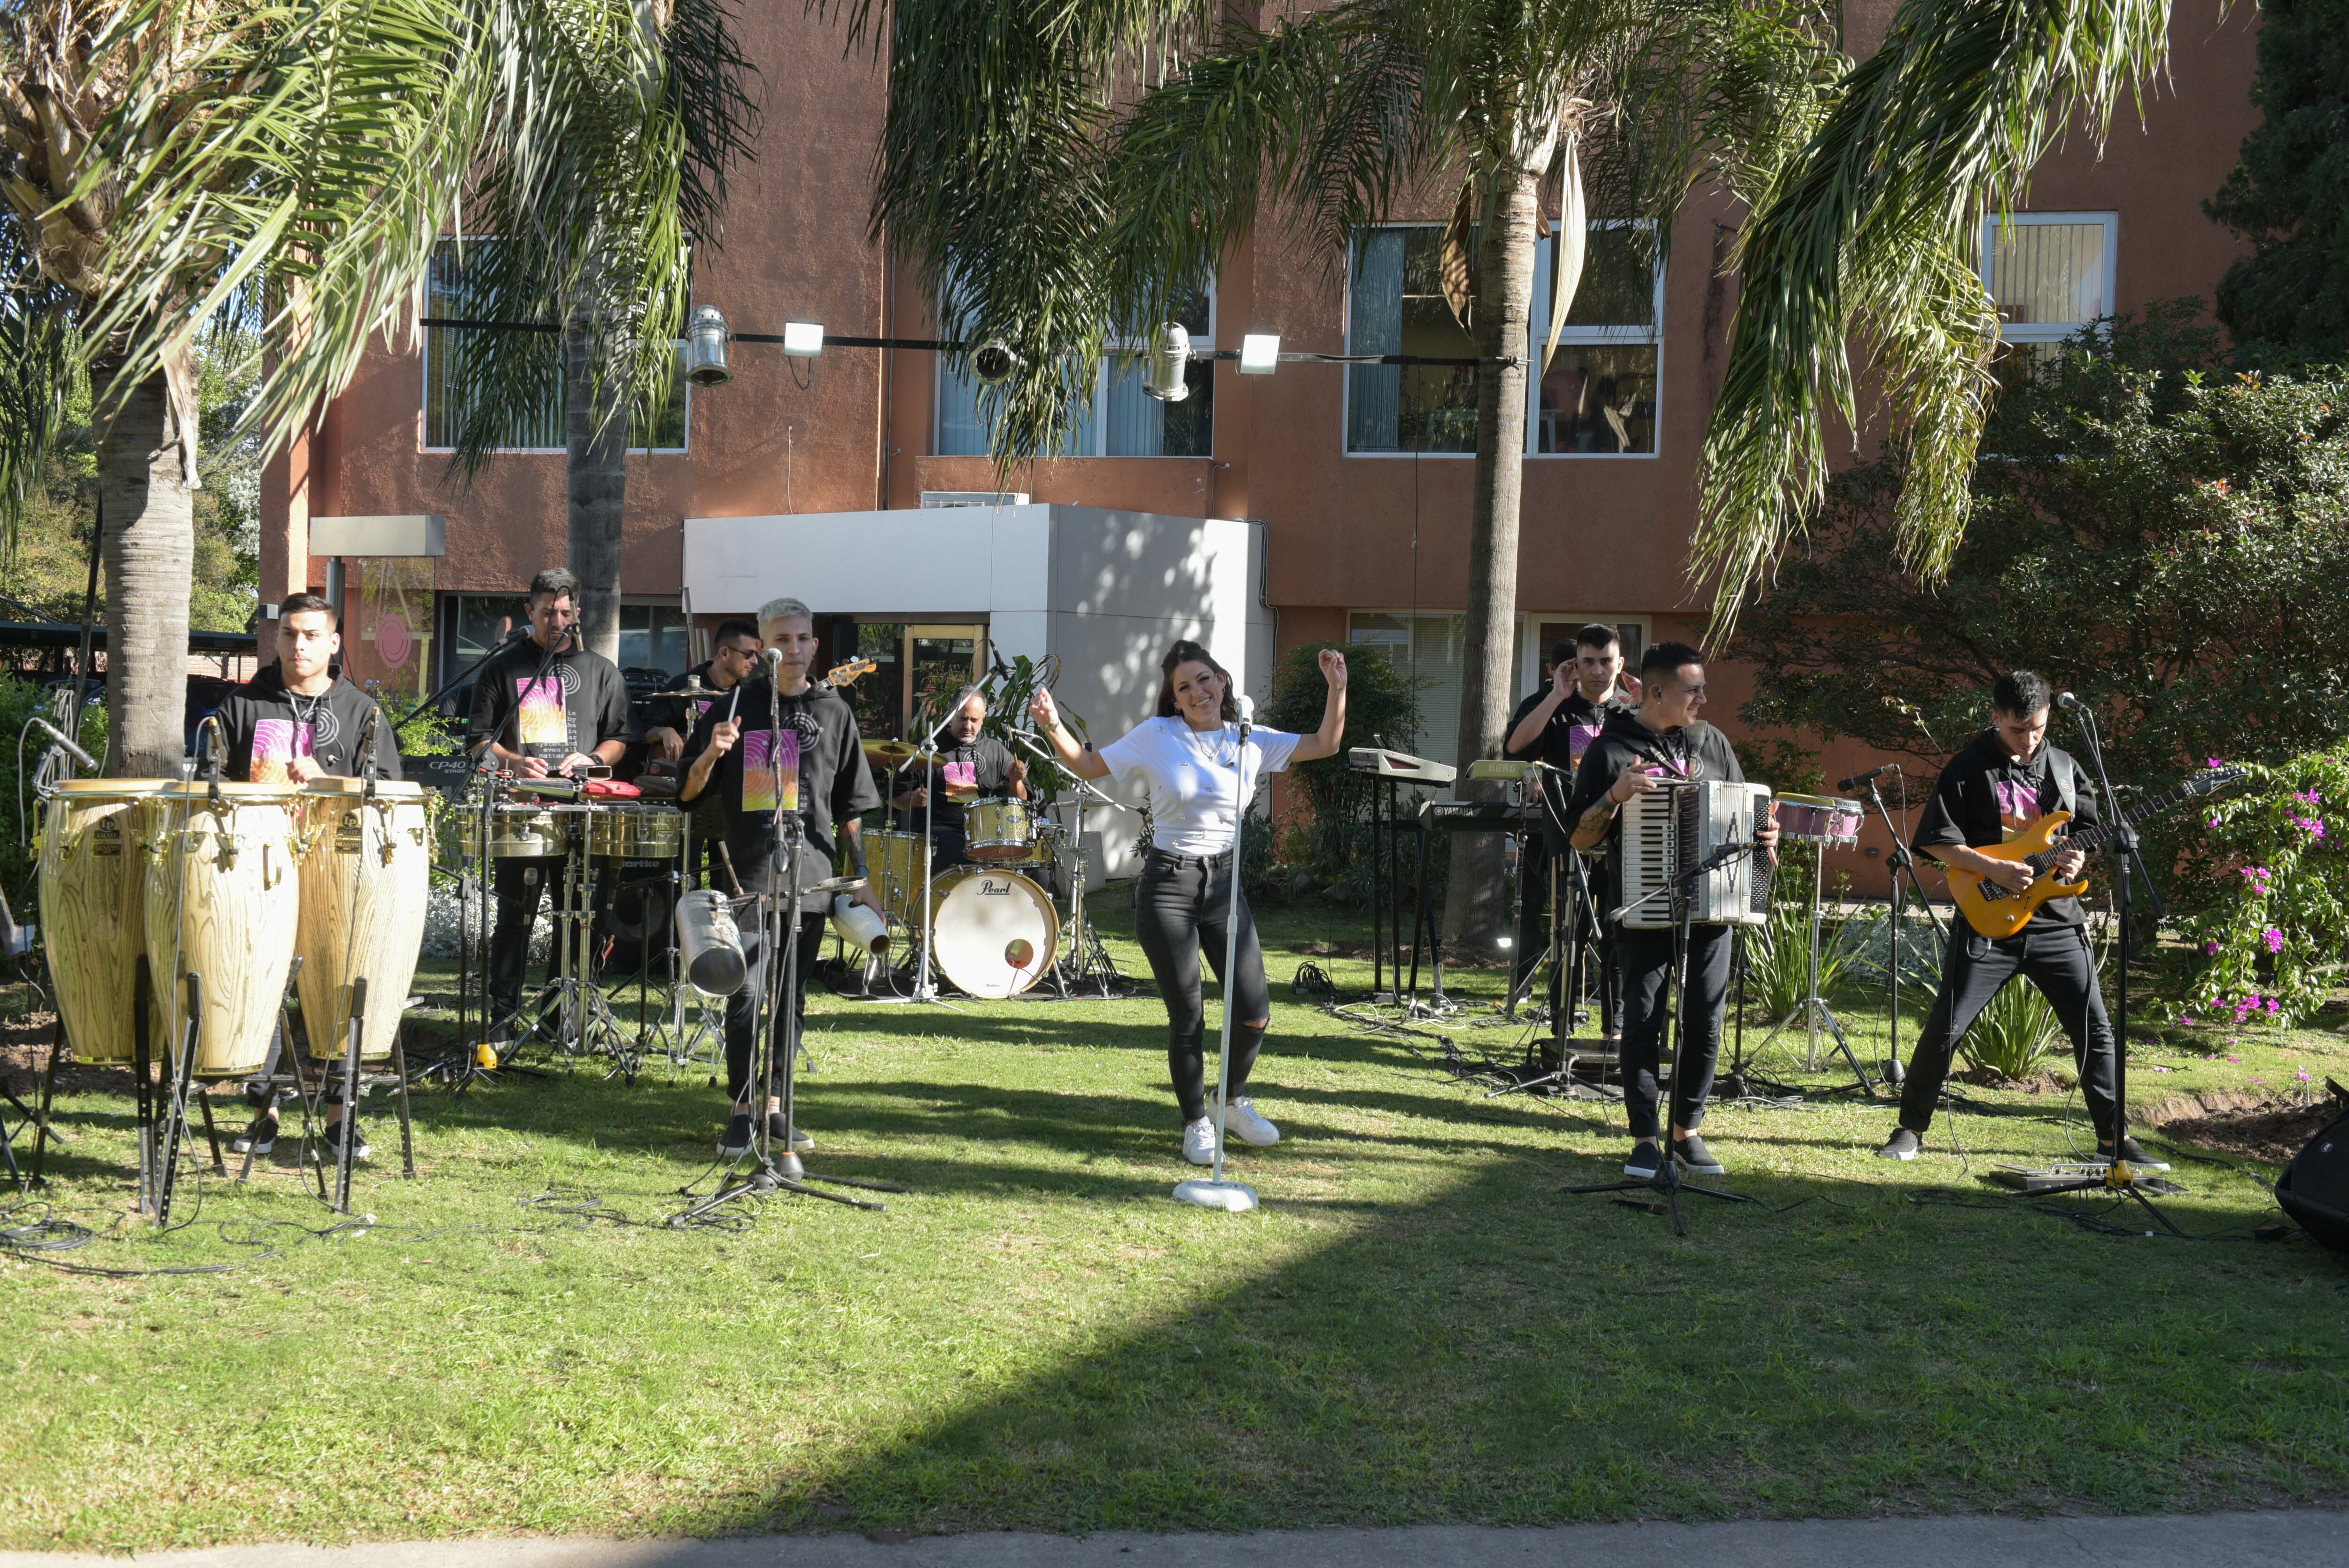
223, 902
93, 895
366, 882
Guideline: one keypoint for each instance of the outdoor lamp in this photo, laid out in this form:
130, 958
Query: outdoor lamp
1163, 379
804, 339
705, 348
994, 363
1260, 353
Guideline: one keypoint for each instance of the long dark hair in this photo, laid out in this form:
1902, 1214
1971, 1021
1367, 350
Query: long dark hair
1188, 651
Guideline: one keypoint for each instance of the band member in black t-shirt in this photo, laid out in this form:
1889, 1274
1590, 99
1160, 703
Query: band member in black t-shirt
969, 766
1586, 686
2006, 779
565, 721
296, 721
673, 714
737, 752
1633, 754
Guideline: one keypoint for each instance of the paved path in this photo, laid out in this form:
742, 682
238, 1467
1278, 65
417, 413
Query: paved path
2288, 1540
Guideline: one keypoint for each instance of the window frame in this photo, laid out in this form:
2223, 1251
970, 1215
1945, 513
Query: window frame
424, 384
2049, 331
1115, 348
1536, 337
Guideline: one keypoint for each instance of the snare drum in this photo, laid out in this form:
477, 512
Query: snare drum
635, 833
998, 830
516, 832
93, 902
366, 874
224, 901
1819, 820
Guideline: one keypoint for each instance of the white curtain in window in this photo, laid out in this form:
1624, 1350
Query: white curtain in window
1375, 322
1136, 421
2048, 274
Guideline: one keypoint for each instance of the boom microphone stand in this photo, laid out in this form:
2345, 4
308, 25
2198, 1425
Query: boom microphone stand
1233, 1197
1904, 864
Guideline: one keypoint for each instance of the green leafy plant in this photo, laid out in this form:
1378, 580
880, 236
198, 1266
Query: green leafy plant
2014, 1033
1778, 957
1380, 701
2273, 933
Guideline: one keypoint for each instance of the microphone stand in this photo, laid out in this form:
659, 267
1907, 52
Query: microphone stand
2121, 853
1904, 864
1092, 960
1233, 1197
925, 986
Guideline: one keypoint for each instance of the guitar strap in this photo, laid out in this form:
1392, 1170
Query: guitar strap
2059, 765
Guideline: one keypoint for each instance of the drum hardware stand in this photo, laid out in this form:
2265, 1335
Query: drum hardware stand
160, 1145
1813, 1008
1904, 864
1088, 962
925, 985
1232, 1197
2121, 853
1667, 1183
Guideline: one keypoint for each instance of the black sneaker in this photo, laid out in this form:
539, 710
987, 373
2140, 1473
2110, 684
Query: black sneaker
360, 1148
261, 1138
1695, 1157
2134, 1152
737, 1141
1902, 1145
1647, 1159
800, 1142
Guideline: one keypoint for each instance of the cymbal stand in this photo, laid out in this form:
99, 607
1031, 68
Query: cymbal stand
1667, 1183
1088, 963
1813, 1008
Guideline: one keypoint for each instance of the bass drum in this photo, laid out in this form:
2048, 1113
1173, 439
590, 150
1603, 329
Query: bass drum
93, 904
992, 931
366, 875
224, 901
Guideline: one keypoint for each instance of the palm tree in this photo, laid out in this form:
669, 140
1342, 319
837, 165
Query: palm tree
1041, 212
290, 167
1871, 235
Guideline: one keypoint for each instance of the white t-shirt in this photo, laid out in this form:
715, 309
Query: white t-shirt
1195, 778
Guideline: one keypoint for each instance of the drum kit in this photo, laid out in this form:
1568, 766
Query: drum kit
178, 911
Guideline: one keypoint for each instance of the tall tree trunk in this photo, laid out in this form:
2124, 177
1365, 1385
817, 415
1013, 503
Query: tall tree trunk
1477, 912
150, 559
595, 471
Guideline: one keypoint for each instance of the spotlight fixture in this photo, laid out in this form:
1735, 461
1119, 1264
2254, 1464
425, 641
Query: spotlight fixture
1169, 354
1260, 353
705, 348
804, 339
994, 363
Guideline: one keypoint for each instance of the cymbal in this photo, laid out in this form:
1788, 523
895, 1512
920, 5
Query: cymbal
892, 753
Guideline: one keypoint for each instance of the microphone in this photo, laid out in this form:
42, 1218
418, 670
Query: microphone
771, 658
1248, 709
998, 667
1857, 779
65, 743
2071, 703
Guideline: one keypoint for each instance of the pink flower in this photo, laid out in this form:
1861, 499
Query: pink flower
2211, 947
2215, 762
2214, 821
2273, 938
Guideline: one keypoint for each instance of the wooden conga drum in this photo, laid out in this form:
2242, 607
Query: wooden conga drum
224, 901
366, 876
93, 897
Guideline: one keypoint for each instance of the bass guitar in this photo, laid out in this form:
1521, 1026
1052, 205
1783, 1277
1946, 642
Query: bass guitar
1997, 911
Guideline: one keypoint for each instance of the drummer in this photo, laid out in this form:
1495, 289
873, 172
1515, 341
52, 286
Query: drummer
296, 721
546, 707
741, 756
970, 765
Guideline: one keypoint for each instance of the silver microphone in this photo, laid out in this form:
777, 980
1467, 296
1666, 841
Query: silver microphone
1247, 709
2065, 700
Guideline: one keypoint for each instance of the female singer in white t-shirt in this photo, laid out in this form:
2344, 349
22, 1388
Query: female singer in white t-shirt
1189, 756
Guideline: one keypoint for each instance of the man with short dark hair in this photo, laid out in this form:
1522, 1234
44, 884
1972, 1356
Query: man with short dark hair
296, 721
544, 707
1587, 685
1634, 755
670, 714
2007, 778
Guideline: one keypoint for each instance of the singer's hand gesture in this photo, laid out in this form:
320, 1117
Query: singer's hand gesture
1043, 712
1333, 668
1631, 688
1326, 741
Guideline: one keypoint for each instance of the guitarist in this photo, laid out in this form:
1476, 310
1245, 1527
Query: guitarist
2007, 779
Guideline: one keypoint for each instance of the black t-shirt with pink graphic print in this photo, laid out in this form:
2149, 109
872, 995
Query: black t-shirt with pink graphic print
1985, 797
973, 771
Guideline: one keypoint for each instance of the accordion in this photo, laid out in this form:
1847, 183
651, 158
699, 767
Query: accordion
1669, 832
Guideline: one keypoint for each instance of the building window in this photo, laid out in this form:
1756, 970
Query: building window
1121, 420
1597, 396
473, 624
2051, 274
652, 637
541, 427
1430, 650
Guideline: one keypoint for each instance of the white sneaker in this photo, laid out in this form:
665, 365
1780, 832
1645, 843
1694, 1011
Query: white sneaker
1249, 1127
1199, 1141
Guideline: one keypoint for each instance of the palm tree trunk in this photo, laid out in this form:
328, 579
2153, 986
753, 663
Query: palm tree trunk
149, 558
1476, 909
596, 474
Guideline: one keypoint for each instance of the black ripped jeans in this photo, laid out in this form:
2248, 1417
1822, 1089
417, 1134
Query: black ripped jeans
2056, 959
1181, 905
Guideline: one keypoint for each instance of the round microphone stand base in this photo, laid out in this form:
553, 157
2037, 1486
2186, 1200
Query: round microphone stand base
1232, 1197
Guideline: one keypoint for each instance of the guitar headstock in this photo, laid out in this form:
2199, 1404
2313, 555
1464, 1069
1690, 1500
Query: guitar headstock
845, 674
2210, 780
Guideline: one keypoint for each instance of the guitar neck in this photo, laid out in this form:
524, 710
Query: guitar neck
2176, 795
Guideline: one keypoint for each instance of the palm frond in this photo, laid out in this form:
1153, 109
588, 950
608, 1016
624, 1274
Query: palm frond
1870, 231
41, 352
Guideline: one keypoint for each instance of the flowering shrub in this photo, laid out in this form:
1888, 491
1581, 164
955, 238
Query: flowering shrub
2275, 936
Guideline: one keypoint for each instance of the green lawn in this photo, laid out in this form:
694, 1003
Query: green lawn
1416, 1326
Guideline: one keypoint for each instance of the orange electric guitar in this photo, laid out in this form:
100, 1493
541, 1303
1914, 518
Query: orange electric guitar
845, 674
1996, 912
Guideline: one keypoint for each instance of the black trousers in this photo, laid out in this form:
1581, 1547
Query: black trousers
947, 848
2058, 960
520, 886
1647, 959
1598, 936
1182, 904
742, 1007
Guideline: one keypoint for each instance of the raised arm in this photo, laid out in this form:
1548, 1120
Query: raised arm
1081, 760
1326, 741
